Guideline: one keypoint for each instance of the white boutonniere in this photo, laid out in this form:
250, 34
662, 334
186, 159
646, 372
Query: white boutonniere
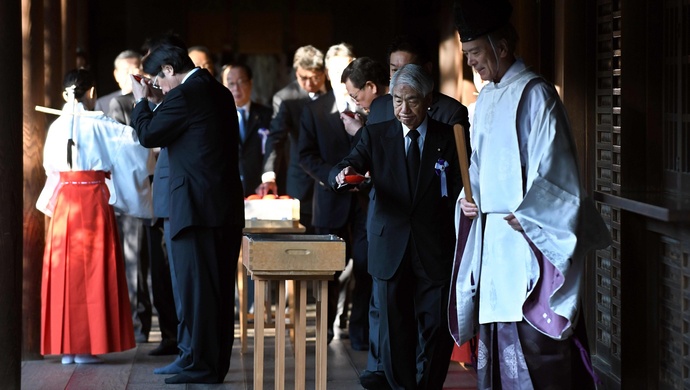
440, 168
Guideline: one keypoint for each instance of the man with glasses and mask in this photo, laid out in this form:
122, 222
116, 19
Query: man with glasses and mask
197, 124
282, 171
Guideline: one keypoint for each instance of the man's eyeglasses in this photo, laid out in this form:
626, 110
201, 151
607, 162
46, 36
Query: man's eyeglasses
154, 84
356, 95
239, 83
314, 79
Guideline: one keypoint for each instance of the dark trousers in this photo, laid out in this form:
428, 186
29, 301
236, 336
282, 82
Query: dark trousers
355, 236
414, 308
205, 264
161, 283
133, 240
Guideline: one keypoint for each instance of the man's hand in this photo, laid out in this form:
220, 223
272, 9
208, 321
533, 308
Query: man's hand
265, 188
142, 88
139, 86
469, 209
513, 222
340, 179
352, 123
155, 95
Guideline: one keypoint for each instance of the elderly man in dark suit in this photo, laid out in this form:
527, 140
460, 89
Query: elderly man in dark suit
281, 165
414, 168
402, 51
255, 121
323, 142
197, 123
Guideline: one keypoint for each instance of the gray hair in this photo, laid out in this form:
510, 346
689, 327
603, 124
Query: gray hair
415, 77
340, 50
309, 58
125, 55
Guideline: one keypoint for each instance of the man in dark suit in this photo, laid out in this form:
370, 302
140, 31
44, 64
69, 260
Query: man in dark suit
197, 124
323, 142
402, 51
405, 50
254, 119
126, 63
414, 168
154, 257
282, 154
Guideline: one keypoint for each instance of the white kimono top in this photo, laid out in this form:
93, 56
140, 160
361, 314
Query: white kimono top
524, 162
101, 144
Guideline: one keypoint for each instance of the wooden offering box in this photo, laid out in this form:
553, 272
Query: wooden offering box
293, 254
302, 258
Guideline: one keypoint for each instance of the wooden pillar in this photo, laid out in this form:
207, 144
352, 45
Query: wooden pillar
34, 176
53, 53
11, 194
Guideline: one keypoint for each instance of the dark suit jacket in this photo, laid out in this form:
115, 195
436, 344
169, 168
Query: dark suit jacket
121, 108
161, 187
103, 102
251, 157
396, 215
197, 122
283, 144
323, 142
443, 108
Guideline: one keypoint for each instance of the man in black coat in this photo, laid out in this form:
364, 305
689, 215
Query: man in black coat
282, 171
411, 230
323, 142
402, 51
255, 121
197, 123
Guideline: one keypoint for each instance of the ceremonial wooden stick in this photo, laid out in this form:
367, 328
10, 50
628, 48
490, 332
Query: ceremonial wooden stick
460, 143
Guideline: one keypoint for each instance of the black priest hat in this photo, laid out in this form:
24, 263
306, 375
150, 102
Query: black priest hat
474, 18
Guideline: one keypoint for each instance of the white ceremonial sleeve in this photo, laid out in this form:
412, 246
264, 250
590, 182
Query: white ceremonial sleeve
555, 209
130, 175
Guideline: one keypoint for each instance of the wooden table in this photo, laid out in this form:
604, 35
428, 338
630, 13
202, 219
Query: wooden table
301, 258
259, 227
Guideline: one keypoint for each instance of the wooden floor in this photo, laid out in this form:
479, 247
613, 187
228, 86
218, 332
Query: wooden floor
133, 370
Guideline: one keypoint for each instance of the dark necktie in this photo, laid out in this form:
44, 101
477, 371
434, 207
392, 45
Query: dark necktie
243, 124
413, 160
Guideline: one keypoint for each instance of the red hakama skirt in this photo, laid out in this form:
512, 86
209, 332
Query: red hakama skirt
84, 300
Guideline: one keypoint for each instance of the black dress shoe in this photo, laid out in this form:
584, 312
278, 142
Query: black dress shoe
166, 347
374, 380
196, 378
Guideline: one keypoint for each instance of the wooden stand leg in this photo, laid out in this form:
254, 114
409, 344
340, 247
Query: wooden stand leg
280, 339
259, 334
267, 306
242, 292
321, 291
291, 291
301, 335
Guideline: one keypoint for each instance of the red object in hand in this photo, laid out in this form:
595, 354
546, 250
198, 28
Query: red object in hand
349, 113
137, 77
354, 179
